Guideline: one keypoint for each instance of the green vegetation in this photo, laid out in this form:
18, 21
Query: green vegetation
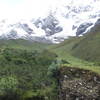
23, 44
71, 51
29, 70
24, 73
88, 48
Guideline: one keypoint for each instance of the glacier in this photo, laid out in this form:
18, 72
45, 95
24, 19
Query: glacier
63, 19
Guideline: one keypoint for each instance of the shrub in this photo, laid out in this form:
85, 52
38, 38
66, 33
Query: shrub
8, 84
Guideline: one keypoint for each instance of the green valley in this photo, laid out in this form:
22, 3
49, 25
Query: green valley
30, 70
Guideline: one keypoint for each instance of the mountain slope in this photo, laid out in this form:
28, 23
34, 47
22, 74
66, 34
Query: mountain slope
23, 44
67, 18
73, 79
86, 47
89, 47
72, 49
35, 71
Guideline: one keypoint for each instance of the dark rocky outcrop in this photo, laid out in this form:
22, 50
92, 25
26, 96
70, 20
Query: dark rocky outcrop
74, 27
12, 35
97, 22
49, 24
78, 84
27, 28
82, 28
96, 27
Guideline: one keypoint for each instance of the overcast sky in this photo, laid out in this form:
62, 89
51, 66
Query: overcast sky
26, 8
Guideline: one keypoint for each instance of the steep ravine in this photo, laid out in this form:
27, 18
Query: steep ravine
78, 84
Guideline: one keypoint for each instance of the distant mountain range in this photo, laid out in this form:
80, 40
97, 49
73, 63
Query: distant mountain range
71, 19
43, 30
86, 47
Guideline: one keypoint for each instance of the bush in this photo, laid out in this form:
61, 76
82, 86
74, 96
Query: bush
53, 70
8, 84
23, 71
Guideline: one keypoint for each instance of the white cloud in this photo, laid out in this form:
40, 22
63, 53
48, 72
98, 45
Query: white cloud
26, 8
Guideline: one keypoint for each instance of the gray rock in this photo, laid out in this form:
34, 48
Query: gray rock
49, 24
27, 29
96, 27
74, 27
11, 35
82, 28
97, 22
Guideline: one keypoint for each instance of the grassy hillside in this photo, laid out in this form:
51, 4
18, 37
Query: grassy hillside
74, 50
28, 70
88, 48
23, 44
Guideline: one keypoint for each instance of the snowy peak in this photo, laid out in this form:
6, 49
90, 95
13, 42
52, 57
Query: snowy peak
49, 24
41, 29
68, 18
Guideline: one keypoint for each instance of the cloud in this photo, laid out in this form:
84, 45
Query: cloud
27, 8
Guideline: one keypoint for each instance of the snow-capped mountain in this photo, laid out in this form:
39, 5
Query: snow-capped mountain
37, 30
71, 18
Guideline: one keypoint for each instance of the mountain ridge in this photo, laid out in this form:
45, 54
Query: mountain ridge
68, 19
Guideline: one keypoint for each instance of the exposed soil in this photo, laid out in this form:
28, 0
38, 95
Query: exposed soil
78, 84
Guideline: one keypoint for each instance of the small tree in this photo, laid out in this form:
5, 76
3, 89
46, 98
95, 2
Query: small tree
53, 69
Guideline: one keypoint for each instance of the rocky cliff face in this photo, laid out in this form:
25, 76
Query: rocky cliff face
49, 24
78, 84
83, 28
96, 27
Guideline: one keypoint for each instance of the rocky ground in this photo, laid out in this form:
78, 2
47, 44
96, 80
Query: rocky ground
78, 84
